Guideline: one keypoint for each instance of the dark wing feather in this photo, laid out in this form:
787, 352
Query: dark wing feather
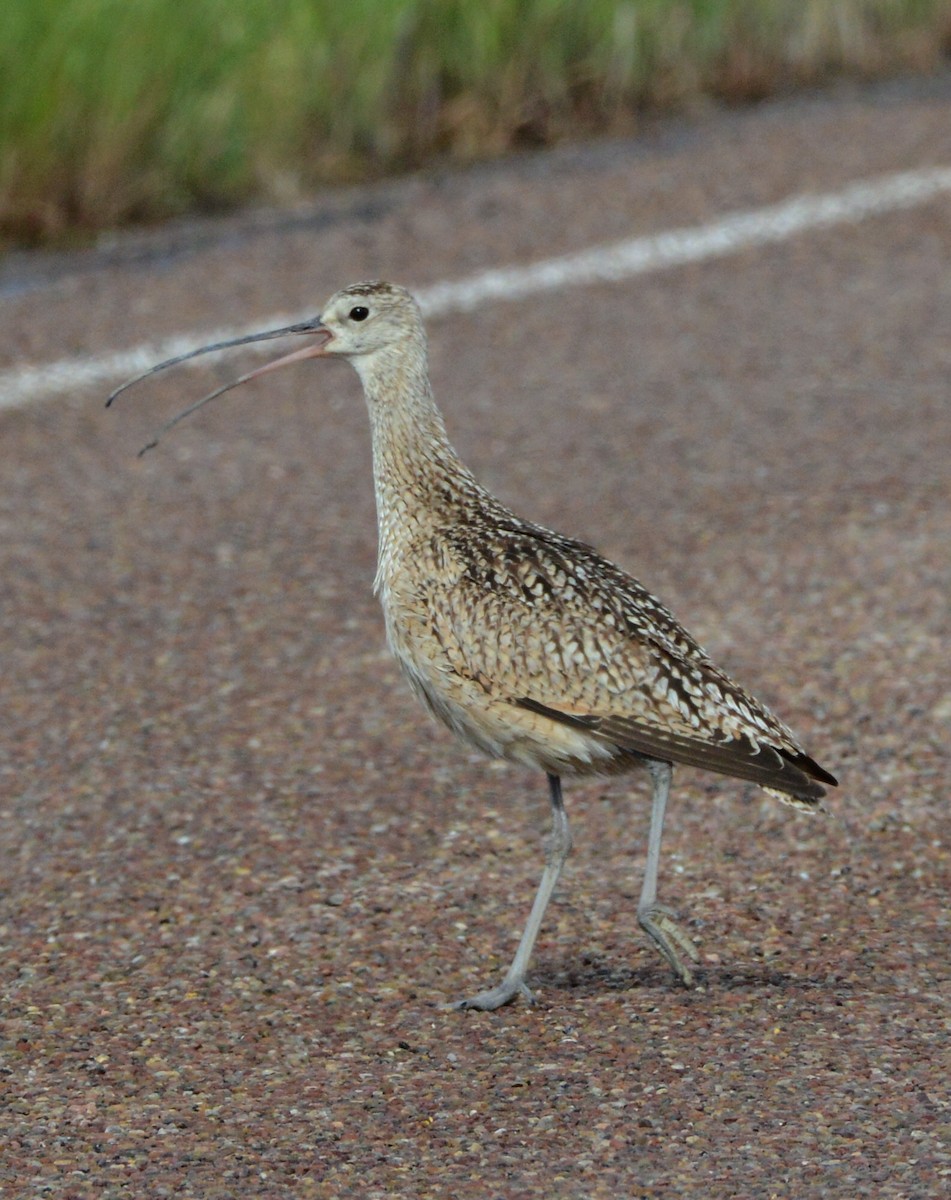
796, 775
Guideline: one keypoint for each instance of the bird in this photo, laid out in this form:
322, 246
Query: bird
529, 645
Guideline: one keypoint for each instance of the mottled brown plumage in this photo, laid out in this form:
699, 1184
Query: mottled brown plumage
527, 644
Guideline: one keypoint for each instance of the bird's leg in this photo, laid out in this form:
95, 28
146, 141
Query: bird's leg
655, 919
559, 845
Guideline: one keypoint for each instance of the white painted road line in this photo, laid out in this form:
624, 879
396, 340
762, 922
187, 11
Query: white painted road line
611, 263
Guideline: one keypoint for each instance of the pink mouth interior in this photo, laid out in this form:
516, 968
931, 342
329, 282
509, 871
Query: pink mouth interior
314, 350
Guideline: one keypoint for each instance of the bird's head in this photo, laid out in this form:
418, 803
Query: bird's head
365, 323
369, 318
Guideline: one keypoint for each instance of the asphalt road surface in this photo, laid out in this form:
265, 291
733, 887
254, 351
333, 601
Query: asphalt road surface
242, 873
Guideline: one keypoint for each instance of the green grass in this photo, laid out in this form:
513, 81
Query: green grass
127, 110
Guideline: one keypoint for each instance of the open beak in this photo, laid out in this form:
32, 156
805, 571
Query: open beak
313, 327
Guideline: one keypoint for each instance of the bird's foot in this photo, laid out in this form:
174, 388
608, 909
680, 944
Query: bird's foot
495, 997
658, 921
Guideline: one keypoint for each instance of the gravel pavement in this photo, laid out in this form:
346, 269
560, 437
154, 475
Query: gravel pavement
243, 874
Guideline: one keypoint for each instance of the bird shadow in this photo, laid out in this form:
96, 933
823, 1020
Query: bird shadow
597, 975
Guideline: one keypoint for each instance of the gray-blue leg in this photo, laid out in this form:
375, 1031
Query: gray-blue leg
559, 844
655, 919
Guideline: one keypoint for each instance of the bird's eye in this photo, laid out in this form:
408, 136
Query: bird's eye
359, 313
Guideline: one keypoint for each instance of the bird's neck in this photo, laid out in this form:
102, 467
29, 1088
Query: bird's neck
421, 483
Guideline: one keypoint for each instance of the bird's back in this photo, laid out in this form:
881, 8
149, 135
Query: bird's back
517, 625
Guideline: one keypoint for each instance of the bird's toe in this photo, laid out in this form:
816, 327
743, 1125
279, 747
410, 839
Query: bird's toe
660, 924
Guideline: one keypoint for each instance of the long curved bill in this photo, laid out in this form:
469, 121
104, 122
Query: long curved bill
313, 326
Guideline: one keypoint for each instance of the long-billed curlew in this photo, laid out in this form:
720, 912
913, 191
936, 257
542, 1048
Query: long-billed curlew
525, 643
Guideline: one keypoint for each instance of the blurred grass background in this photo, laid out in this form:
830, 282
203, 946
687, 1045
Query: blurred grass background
114, 111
